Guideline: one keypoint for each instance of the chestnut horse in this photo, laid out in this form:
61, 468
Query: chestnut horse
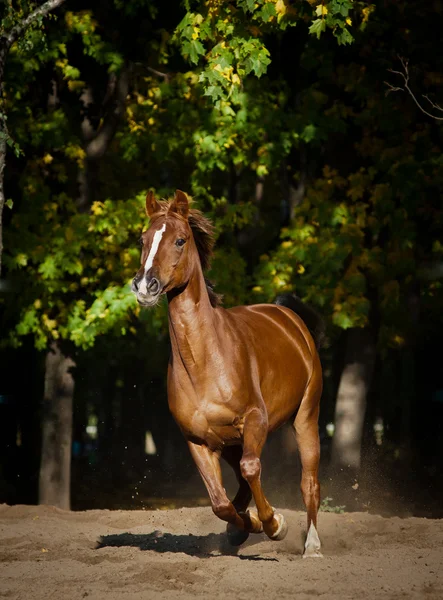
234, 374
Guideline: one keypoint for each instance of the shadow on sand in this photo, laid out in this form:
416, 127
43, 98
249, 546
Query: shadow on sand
202, 546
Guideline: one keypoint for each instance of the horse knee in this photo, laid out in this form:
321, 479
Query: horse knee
250, 468
223, 509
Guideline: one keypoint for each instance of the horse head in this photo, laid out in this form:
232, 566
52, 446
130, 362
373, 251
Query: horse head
167, 249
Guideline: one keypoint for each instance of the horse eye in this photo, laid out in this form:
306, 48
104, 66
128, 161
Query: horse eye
140, 242
180, 242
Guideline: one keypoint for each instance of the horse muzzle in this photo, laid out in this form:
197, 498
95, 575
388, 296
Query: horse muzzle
147, 291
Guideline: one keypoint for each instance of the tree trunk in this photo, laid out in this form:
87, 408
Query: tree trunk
55, 467
351, 403
97, 142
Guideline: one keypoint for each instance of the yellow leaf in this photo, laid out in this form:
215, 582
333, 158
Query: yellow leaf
278, 281
367, 12
399, 340
97, 208
321, 10
349, 21
280, 8
300, 269
47, 159
76, 86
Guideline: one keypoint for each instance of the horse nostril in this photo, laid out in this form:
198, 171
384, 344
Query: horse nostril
154, 285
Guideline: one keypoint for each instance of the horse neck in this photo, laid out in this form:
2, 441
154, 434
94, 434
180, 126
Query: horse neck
191, 319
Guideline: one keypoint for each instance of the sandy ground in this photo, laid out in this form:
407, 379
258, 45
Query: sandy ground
46, 553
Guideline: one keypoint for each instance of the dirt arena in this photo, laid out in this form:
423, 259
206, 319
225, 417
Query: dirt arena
46, 553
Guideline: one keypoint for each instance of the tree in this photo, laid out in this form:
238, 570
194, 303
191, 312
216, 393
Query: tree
370, 220
59, 387
81, 254
14, 26
286, 140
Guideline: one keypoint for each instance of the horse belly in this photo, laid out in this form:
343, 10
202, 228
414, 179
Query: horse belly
282, 401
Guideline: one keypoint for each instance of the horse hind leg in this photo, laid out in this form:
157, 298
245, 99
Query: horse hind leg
308, 441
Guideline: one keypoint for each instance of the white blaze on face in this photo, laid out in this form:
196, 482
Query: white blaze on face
149, 261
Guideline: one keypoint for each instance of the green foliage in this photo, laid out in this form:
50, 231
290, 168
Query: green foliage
322, 255
220, 129
81, 263
13, 13
230, 282
230, 36
77, 291
357, 240
326, 506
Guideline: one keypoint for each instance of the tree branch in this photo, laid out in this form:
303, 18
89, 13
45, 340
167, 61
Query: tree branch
19, 29
165, 76
405, 76
436, 106
96, 148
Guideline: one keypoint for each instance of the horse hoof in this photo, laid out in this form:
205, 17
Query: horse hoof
312, 554
282, 528
255, 521
312, 544
236, 537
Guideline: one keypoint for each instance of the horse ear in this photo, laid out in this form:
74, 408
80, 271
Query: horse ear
152, 206
180, 204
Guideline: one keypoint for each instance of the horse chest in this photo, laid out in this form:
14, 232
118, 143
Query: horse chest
211, 421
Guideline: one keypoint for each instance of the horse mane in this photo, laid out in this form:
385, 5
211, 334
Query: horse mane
203, 231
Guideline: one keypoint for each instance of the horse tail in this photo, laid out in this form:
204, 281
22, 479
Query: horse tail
311, 318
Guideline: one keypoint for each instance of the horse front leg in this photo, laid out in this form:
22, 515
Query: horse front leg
233, 455
255, 431
208, 464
